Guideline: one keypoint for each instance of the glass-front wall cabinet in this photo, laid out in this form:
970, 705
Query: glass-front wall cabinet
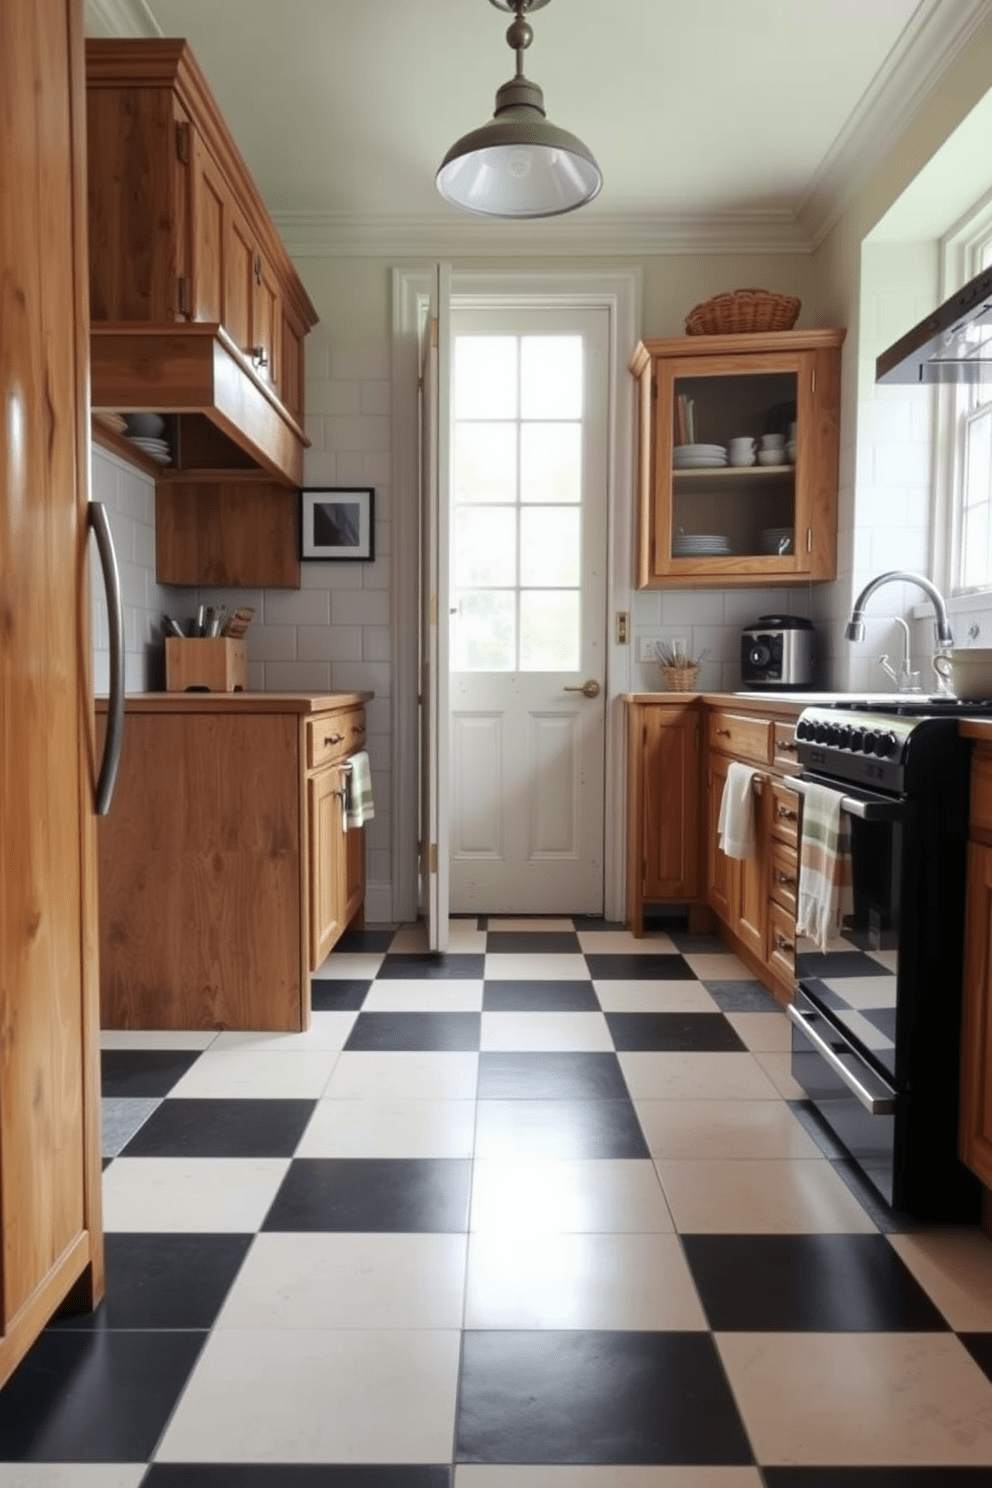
738, 458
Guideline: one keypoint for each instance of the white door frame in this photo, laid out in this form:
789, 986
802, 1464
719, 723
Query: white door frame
619, 292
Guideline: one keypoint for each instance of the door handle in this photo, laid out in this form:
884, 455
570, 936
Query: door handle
114, 739
588, 689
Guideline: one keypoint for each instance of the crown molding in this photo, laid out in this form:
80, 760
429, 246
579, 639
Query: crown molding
928, 48
120, 18
633, 234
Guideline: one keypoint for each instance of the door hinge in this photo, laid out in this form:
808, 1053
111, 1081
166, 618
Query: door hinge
434, 331
182, 293
433, 857
182, 143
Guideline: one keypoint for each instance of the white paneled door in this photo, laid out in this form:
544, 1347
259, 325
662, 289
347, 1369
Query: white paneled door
528, 573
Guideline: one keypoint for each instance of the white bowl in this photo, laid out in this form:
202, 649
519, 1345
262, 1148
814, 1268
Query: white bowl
146, 425
771, 457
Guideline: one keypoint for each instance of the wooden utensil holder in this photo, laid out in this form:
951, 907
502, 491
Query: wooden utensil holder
212, 664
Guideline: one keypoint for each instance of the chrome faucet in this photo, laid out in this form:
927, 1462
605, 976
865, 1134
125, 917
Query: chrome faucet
856, 625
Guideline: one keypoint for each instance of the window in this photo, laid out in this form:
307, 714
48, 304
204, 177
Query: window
969, 416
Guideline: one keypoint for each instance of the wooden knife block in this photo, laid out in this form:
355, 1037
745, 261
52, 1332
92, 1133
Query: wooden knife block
216, 664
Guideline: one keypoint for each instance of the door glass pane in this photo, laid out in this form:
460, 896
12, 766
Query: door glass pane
549, 630
484, 546
550, 462
549, 546
483, 635
485, 462
484, 377
551, 377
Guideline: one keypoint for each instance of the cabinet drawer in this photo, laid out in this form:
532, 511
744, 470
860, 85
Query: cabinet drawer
782, 942
784, 743
981, 792
785, 813
784, 875
334, 735
745, 738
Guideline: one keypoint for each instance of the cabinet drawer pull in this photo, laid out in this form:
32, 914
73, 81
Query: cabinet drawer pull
788, 813
334, 739
785, 878
787, 746
722, 733
781, 944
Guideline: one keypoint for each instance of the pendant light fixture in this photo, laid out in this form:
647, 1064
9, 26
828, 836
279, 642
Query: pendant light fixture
519, 164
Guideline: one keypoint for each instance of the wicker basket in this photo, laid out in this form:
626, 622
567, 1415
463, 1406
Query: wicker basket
680, 679
743, 310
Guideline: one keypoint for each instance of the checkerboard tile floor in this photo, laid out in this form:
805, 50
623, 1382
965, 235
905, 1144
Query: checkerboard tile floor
547, 1212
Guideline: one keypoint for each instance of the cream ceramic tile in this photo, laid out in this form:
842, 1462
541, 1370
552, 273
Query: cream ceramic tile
71, 1474
860, 1399
506, 923
778, 1067
385, 1126
327, 1032
376, 1395
606, 1477
749, 1197
954, 1267
349, 1281
609, 1195
360, 966
863, 992
767, 1032
545, 1032
409, 938
248, 1074
359, 1074
654, 997
622, 943
420, 996
714, 967
146, 1038
205, 1194
695, 1077
729, 1129
465, 941
580, 1281
543, 967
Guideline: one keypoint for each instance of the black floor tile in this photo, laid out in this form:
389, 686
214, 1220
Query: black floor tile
816, 964
553, 1130
571, 1074
574, 1397
364, 940
807, 1284
454, 967
698, 1033
98, 1396
532, 942
295, 1475
416, 1031
691, 944
649, 967
741, 997
163, 1281
877, 1477
979, 1346
222, 1128
539, 997
133, 1072
596, 922
416, 1195
330, 995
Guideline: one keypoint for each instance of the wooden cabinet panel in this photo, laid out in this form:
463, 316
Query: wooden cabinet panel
662, 807
720, 888
749, 905
784, 815
210, 197
976, 1024
238, 534
239, 279
266, 322
745, 738
784, 882
981, 794
50, 1204
333, 736
328, 868
291, 368
782, 941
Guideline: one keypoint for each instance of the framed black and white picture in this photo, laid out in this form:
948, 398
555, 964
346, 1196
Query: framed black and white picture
337, 522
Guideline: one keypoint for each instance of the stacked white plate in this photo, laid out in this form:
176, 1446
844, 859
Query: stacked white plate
699, 545
156, 449
776, 540
698, 456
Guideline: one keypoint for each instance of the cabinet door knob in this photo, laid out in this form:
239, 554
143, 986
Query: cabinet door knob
334, 739
787, 746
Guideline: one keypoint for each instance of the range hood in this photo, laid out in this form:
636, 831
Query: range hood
953, 344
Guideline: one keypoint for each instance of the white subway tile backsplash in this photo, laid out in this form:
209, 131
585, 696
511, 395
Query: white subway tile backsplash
318, 359
297, 676
376, 575
335, 399
377, 643
379, 717
360, 607
297, 606
375, 397
361, 363
351, 468
356, 432
273, 643
329, 643
363, 676
332, 575
320, 467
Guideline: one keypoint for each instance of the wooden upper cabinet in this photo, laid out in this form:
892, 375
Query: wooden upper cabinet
703, 521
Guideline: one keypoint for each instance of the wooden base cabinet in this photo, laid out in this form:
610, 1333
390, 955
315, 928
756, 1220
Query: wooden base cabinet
662, 806
225, 872
976, 1015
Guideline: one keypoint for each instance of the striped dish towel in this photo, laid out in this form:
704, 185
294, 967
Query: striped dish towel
825, 895
359, 807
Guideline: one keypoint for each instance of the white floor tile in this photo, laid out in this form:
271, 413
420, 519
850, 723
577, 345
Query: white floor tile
349, 1281
207, 1194
250, 1074
327, 1031
151, 1038
954, 1267
622, 943
559, 966
777, 1065
745, 1197
714, 967
654, 997
506, 924
608, 1195
669, 1076
294, 1396
763, 1032
360, 966
471, 1476
723, 1129
387, 1126
420, 996
427, 1075
541, 1032
71, 1474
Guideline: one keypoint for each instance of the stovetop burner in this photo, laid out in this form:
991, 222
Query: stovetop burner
910, 705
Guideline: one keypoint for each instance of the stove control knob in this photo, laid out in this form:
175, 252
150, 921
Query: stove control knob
821, 733
885, 745
857, 739
804, 729
846, 734
868, 744
833, 735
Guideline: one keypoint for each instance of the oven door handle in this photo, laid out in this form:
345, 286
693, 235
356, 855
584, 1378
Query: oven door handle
864, 810
877, 1105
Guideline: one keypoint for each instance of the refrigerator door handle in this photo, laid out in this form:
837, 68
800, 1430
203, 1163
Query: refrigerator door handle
113, 742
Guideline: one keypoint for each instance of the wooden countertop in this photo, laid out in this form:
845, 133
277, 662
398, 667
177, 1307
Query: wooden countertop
238, 702
751, 703
976, 728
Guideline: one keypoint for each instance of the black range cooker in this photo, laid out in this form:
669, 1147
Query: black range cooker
877, 1015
